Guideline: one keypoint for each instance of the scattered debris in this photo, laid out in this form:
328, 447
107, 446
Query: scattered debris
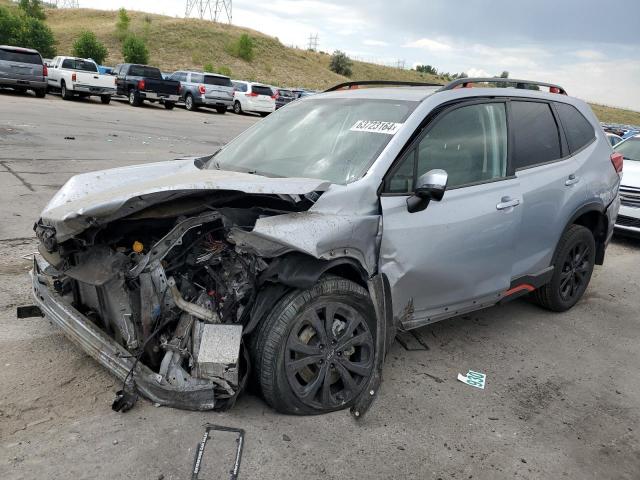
115, 442
69, 138
475, 379
29, 311
286, 437
197, 463
433, 377
411, 341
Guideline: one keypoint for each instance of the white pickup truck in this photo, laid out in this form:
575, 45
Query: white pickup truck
78, 76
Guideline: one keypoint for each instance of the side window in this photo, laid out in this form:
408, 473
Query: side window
535, 134
197, 78
469, 143
578, 130
68, 63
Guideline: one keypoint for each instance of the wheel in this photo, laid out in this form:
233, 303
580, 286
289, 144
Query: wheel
40, 93
66, 95
237, 108
573, 265
134, 98
314, 352
169, 105
189, 103
106, 99
221, 110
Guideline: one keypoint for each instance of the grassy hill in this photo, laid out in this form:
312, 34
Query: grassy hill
178, 43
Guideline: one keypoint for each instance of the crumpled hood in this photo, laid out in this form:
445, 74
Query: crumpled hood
88, 198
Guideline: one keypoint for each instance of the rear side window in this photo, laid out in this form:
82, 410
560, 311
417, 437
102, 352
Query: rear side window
535, 134
578, 130
260, 90
196, 78
241, 87
21, 57
220, 81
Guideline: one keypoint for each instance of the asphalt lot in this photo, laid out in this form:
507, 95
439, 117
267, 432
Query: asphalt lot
563, 390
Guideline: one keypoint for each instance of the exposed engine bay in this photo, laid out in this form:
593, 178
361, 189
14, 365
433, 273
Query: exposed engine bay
175, 291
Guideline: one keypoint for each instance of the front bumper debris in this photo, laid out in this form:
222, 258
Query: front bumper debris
79, 329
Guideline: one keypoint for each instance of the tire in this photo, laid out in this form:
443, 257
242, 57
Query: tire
134, 98
169, 105
573, 265
189, 103
221, 110
40, 93
304, 369
106, 99
64, 92
237, 108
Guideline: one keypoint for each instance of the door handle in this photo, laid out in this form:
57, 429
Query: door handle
507, 202
571, 180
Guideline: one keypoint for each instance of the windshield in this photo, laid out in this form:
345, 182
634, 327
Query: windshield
329, 139
630, 149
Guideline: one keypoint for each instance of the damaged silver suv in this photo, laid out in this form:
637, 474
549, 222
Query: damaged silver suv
290, 265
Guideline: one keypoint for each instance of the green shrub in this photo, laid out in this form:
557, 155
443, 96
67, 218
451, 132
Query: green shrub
32, 8
208, 67
88, 46
340, 63
223, 70
134, 50
243, 48
122, 25
22, 30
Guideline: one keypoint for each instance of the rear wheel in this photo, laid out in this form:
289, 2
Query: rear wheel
66, 95
237, 108
134, 98
314, 353
169, 105
40, 93
573, 265
222, 110
105, 99
189, 103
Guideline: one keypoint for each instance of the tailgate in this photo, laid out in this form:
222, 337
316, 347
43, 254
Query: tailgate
95, 79
21, 71
169, 87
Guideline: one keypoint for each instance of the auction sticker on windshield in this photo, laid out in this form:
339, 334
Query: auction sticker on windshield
376, 126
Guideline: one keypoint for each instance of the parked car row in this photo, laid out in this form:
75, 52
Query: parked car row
24, 69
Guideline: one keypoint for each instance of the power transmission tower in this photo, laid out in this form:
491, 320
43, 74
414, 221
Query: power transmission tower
400, 64
313, 42
67, 4
215, 10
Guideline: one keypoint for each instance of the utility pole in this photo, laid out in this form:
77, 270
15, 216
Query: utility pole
215, 10
313, 42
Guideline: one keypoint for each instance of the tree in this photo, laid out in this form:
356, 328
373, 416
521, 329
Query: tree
32, 8
88, 46
426, 69
504, 74
37, 35
134, 50
122, 25
341, 63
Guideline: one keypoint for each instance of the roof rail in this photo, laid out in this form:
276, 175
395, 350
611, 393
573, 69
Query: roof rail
518, 84
380, 82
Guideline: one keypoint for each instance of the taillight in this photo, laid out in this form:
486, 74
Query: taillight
202, 89
45, 70
74, 77
617, 160
554, 90
276, 94
140, 84
179, 88
252, 94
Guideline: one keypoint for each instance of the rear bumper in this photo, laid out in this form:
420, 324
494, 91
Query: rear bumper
255, 107
94, 90
215, 102
14, 82
110, 354
159, 96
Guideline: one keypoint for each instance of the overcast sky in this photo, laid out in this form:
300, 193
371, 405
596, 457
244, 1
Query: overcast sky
591, 47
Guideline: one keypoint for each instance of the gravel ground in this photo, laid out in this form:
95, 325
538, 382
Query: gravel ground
563, 390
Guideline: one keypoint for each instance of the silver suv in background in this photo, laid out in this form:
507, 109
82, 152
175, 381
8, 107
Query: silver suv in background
204, 90
303, 244
23, 69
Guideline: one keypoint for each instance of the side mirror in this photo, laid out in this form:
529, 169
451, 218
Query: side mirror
430, 186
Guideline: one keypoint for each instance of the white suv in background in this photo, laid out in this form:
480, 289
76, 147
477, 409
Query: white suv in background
628, 221
253, 97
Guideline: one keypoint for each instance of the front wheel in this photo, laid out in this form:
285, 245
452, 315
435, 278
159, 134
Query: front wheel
106, 99
169, 105
573, 265
314, 352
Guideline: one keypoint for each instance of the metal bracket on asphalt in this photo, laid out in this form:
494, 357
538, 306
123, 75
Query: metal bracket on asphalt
197, 462
411, 341
29, 311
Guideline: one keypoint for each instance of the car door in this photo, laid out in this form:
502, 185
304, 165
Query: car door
456, 255
549, 181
